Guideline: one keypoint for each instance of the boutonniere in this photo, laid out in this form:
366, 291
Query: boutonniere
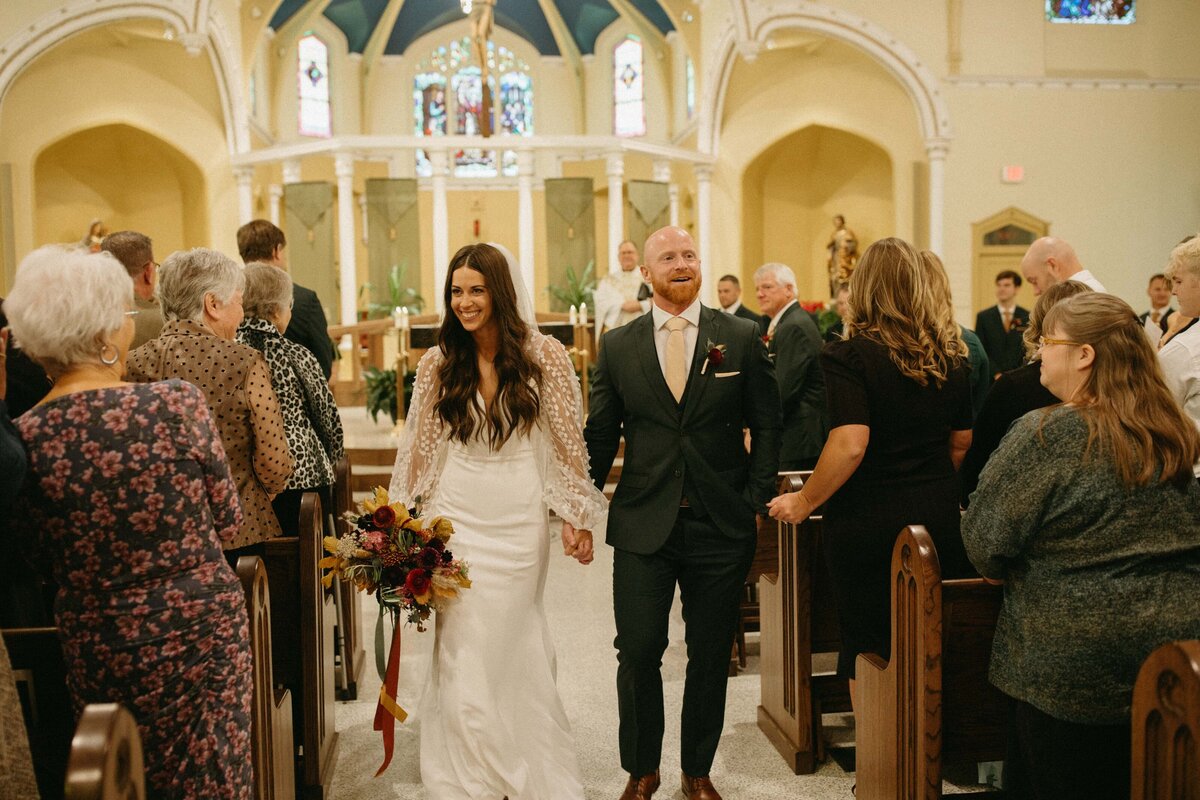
716, 355
1017, 324
767, 337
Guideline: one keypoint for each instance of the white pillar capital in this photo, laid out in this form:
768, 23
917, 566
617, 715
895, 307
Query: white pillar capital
937, 147
275, 192
525, 163
440, 161
614, 165
245, 184
343, 165
662, 170
291, 170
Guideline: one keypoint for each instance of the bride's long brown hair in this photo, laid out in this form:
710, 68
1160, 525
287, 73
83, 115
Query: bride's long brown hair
516, 405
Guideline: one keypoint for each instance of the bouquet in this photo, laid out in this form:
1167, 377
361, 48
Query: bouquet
403, 560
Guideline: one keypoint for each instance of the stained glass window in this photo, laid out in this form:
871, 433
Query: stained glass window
448, 86
313, 77
629, 107
1101, 12
690, 88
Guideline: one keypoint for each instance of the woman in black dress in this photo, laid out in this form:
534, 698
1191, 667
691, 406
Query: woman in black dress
899, 399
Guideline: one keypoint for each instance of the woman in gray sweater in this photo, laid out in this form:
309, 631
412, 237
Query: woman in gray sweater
1090, 515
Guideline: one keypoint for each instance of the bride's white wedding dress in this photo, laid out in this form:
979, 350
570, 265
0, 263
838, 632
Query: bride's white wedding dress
492, 722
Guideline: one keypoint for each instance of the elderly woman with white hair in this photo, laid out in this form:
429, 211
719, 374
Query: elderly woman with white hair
200, 292
127, 503
310, 415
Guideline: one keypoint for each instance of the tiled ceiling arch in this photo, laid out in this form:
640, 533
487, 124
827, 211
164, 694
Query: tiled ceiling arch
583, 19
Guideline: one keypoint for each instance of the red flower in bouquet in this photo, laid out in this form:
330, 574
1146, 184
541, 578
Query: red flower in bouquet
418, 583
383, 517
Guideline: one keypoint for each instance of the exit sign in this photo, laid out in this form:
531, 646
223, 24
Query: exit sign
1013, 173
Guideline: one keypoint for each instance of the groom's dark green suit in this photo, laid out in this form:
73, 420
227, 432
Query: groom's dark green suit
684, 511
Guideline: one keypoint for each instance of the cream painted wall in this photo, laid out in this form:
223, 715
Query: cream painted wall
792, 191
133, 77
787, 90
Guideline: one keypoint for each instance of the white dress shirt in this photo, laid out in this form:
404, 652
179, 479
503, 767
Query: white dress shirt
1154, 329
733, 308
1086, 277
778, 314
690, 334
1180, 362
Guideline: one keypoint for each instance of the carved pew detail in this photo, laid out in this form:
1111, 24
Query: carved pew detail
350, 642
931, 703
106, 756
797, 618
41, 676
271, 714
1166, 724
302, 621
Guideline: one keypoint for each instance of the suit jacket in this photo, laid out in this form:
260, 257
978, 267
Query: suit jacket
757, 319
1162, 321
1005, 350
309, 328
694, 448
796, 347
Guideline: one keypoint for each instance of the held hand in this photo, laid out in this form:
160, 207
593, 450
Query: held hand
577, 543
790, 507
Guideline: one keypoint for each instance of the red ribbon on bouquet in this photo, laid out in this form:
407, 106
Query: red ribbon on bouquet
388, 711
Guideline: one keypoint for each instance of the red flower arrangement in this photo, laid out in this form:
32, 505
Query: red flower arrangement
403, 561
715, 356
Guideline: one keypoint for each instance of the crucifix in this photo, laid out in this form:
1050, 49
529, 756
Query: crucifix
482, 15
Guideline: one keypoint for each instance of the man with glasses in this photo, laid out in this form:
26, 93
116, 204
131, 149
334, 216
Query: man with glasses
136, 254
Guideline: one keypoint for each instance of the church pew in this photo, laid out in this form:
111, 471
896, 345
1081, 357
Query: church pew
106, 756
1166, 724
271, 713
797, 618
41, 679
352, 654
302, 622
931, 704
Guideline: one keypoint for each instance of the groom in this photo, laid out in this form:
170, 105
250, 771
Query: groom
681, 383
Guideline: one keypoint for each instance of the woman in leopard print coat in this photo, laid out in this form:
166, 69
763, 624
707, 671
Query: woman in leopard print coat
310, 416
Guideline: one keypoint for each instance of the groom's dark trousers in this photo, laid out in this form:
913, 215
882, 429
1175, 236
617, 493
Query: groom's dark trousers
683, 512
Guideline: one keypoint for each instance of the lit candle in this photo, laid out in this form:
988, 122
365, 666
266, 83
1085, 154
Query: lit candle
572, 317
583, 315
396, 313
404, 318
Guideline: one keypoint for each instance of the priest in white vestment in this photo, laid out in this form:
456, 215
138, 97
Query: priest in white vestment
617, 293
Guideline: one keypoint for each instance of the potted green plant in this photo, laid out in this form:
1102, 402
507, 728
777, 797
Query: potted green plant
580, 288
399, 295
381, 391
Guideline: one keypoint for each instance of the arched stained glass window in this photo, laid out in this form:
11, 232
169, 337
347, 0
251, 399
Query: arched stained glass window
629, 106
448, 98
313, 77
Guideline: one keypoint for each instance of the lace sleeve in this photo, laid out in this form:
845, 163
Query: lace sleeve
421, 443
569, 489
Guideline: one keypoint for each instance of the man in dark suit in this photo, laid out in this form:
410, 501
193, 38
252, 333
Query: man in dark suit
794, 344
681, 383
1000, 327
729, 295
259, 240
1155, 320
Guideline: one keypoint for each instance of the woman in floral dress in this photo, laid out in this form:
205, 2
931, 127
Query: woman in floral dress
127, 502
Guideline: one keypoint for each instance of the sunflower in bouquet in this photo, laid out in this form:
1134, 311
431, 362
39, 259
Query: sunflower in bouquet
400, 558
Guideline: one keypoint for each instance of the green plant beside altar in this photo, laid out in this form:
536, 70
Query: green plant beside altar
381, 391
579, 288
400, 295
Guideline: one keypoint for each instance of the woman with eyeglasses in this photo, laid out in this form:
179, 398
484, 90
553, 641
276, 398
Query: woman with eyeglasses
126, 504
1090, 515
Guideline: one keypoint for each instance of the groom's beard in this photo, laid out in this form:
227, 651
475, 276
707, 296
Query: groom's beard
680, 294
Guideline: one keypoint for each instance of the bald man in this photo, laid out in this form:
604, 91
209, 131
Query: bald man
1049, 261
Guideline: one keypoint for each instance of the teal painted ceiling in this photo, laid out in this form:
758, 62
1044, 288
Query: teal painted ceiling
584, 19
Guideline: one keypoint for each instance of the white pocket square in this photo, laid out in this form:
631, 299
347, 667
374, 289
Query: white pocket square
726, 374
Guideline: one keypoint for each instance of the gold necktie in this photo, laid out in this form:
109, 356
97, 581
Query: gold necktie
1007, 320
676, 366
1155, 317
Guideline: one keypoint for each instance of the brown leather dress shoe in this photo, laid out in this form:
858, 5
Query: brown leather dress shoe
698, 788
641, 788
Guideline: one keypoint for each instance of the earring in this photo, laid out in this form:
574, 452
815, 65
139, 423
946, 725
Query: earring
115, 356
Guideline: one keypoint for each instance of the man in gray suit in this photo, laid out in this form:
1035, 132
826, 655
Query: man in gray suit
794, 343
680, 383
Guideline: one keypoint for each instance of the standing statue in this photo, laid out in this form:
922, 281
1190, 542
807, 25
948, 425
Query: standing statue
843, 254
95, 235
482, 18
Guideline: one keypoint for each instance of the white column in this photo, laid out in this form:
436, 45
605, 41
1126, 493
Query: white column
937, 149
525, 237
703, 224
291, 170
343, 166
662, 174
362, 212
440, 160
245, 185
615, 169
276, 193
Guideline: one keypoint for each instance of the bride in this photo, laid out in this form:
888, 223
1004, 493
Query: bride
492, 442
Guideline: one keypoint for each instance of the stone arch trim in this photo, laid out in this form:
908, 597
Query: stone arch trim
901, 62
198, 33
